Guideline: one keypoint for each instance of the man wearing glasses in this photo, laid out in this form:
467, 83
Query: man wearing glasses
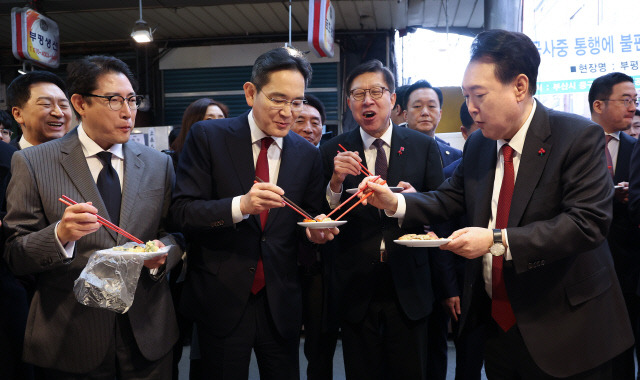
242, 288
5, 126
381, 291
127, 183
612, 101
39, 104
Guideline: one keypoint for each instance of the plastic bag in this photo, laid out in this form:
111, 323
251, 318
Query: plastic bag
109, 280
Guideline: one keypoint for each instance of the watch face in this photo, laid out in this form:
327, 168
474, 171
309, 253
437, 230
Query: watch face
497, 249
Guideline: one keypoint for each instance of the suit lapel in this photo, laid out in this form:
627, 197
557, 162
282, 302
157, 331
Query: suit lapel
624, 158
240, 153
288, 165
133, 171
532, 163
397, 161
484, 171
75, 165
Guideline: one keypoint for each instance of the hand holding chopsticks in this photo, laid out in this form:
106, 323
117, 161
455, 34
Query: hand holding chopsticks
290, 203
70, 202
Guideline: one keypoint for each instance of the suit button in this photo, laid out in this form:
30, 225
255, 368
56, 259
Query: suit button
264, 238
252, 269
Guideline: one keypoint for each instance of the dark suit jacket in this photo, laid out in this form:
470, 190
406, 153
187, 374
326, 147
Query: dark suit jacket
216, 165
62, 333
447, 153
15, 143
561, 281
358, 244
624, 235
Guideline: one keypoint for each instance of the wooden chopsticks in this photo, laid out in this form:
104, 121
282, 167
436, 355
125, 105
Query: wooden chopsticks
69, 202
289, 203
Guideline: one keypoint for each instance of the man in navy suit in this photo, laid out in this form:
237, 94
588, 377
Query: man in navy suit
380, 291
612, 102
540, 200
423, 111
242, 287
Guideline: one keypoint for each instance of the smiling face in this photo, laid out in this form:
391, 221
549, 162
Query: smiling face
283, 84
46, 115
102, 124
499, 109
371, 114
423, 111
309, 124
213, 112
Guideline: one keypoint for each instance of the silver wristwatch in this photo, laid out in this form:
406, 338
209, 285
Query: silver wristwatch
498, 248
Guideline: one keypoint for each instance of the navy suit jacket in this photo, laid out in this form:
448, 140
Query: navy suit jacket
561, 280
216, 164
357, 246
448, 154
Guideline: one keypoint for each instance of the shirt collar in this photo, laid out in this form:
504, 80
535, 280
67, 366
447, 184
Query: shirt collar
367, 139
517, 141
616, 135
257, 134
91, 148
23, 143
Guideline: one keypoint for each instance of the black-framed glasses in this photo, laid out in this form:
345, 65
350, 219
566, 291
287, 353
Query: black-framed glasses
116, 101
278, 104
627, 102
374, 92
6, 132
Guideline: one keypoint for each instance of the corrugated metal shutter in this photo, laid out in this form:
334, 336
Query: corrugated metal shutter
224, 84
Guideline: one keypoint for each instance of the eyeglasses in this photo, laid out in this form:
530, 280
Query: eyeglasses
627, 102
374, 92
278, 104
116, 101
6, 132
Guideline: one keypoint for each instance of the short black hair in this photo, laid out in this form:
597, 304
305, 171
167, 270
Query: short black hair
317, 104
6, 120
400, 93
283, 58
83, 74
465, 117
19, 91
373, 66
637, 112
421, 84
512, 53
602, 87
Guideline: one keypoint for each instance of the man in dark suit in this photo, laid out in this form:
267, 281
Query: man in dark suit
423, 111
130, 185
319, 342
541, 273
612, 102
382, 291
39, 104
242, 287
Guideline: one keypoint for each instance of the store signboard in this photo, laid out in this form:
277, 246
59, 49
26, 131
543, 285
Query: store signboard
35, 38
321, 27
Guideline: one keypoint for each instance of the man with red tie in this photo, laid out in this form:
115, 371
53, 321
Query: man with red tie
541, 277
612, 101
242, 287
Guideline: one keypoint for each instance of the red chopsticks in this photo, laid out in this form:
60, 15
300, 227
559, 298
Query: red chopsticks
360, 200
363, 169
289, 203
68, 201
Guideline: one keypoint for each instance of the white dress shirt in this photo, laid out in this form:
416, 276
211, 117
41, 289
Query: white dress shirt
273, 156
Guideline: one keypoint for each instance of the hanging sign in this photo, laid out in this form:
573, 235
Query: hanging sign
35, 38
321, 27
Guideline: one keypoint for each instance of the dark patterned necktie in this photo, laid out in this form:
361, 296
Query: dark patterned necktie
501, 310
109, 186
262, 172
381, 159
608, 154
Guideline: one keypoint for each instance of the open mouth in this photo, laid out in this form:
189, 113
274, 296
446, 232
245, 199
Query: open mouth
369, 114
55, 125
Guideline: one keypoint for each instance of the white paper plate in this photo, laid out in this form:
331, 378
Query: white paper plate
319, 225
422, 243
395, 189
143, 255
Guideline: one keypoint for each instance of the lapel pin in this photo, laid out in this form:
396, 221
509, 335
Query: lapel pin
541, 152
400, 151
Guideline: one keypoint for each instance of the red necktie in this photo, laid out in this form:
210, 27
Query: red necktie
262, 171
608, 154
500, 306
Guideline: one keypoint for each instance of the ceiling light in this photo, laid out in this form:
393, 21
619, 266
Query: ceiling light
141, 32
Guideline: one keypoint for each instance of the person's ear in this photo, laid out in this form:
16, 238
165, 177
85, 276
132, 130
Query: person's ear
250, 93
